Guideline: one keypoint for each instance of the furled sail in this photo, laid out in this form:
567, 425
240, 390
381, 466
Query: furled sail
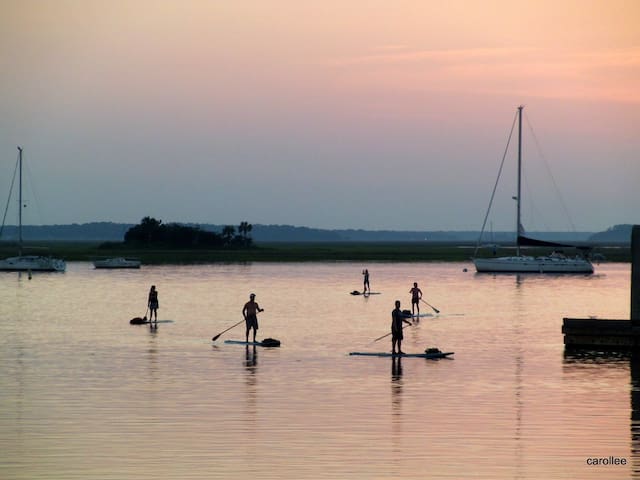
533, 242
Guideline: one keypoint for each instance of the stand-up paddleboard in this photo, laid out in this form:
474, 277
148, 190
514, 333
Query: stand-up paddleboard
422, 315
408, 314
356, 292
427, 354
267, 342
140, 321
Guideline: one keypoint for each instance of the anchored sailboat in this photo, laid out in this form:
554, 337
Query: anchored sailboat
28, 262
554, 263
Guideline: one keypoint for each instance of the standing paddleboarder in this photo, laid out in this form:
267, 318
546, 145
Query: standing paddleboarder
416, 295
152, 303
365, 272
250, 314
397, 318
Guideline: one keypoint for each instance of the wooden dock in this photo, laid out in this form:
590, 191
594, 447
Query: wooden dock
606, 334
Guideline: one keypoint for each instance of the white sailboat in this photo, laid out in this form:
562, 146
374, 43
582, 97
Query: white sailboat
554, 263
117, 262
29, 263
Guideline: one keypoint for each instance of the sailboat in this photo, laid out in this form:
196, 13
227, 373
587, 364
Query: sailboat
553, 263
29, 263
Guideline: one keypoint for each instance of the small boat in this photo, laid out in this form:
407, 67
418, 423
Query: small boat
28, 263
117, 262
554, 263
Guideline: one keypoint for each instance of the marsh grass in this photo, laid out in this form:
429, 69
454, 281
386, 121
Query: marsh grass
283, 252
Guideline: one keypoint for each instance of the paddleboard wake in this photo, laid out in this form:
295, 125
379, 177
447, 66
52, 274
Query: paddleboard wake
267, 342
429, 353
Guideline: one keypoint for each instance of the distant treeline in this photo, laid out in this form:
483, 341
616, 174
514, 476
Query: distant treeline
615, 234
115, 232
94, 231
153, 233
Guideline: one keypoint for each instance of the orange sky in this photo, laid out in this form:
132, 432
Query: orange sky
273, 84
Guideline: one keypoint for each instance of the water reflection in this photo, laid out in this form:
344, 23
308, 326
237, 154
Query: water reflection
152, 356
396, 371
396, 409
250, 421
635, 414
251, 380
519, 336
507, 407
251, 359
607, 362
396, 386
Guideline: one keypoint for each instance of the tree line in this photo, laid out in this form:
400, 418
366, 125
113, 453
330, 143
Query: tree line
153, 233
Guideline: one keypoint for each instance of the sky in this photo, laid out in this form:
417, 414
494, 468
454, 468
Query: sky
361, 114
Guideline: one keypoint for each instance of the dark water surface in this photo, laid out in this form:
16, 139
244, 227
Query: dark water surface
84, 395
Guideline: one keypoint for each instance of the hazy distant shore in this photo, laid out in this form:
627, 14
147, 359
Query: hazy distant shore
287, 252
264, 234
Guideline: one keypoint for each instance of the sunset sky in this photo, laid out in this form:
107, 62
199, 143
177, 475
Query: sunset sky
333, 114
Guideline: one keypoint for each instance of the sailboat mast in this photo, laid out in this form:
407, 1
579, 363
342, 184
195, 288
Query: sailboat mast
519, 179
20, 202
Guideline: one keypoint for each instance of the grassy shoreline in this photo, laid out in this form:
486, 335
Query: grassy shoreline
285, 252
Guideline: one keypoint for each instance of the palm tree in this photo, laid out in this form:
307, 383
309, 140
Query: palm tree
245, 228
228, 232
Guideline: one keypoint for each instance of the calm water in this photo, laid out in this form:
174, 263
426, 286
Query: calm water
85, 395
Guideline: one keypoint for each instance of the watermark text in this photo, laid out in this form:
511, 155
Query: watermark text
606, 461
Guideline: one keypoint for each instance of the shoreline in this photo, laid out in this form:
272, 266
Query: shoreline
288, 252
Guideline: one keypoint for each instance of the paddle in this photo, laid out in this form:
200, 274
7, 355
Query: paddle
218, 335
434, 308
387, 334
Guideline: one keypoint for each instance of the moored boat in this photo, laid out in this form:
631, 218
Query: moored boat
34, 263
554, 263
30, 263
526, 264
117, 262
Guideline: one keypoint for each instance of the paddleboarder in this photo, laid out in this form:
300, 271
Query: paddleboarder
416, 296
250, 314
365, 272
152, 303
397, 318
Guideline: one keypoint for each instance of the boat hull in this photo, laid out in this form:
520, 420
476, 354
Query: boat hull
533, 265
32, 263
117, 263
